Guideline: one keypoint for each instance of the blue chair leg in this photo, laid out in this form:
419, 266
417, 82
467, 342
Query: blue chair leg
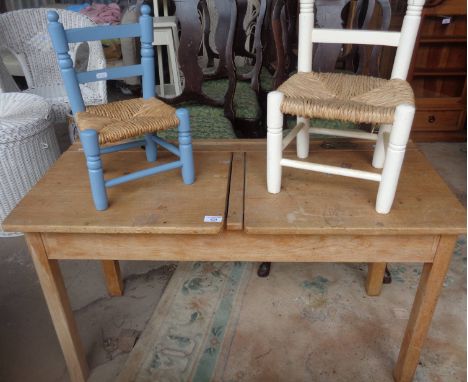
150, 148
185, 146
90, 141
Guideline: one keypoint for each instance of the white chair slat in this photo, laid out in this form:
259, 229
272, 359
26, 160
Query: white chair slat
346, 36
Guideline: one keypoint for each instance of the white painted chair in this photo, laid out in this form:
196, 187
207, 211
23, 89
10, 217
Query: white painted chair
165, 33
389, 103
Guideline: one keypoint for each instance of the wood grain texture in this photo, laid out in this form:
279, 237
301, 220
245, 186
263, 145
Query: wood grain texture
60, 311
158, 218
437, 120
61, 201
113, 277
235, 214
255, 145
448, 7
314, 203
430, 286
374, 281
236, 246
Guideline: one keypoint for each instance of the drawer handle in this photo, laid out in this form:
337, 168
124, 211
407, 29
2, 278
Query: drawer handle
431, 119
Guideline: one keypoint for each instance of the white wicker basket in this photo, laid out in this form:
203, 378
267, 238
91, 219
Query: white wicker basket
28, 147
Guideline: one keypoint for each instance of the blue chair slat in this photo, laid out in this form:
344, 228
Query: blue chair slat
61, 39
171, 148
103, 32
110, 73
142, 173
123, 146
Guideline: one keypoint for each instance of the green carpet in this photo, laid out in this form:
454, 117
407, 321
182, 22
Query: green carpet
206, 123
209, 122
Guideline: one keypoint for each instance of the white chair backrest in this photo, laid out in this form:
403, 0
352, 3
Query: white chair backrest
403, 40
24, 33
156, 4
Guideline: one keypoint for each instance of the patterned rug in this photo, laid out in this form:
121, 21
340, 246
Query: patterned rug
183, 339
305, 322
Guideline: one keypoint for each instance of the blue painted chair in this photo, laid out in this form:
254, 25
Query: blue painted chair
121, 120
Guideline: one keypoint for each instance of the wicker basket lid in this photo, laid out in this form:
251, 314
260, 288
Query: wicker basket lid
22, 115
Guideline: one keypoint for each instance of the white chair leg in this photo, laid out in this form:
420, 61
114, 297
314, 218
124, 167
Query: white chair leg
175, 37
160, 71
274, 141
171, 66
379, 152
302, 139
399, 136
174, 67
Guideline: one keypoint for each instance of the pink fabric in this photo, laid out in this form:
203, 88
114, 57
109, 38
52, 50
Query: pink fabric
103, 13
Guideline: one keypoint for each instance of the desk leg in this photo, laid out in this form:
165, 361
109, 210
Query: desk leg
430, 286
375, 275
56, 297
113, 278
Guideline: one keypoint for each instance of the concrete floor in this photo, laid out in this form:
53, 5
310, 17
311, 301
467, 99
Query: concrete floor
29, 349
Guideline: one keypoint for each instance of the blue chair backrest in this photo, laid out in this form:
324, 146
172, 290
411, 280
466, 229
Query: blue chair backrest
61, 38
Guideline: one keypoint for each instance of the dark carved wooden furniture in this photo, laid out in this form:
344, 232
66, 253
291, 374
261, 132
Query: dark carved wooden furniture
274, 46
438, 74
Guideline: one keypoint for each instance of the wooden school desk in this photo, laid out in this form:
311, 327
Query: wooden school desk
315, 218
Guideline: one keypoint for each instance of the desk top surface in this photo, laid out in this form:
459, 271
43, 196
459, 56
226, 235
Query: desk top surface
316, 203
61, 200
309, 202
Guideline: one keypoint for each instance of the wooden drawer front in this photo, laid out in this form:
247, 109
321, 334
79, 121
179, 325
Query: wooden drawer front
436, 120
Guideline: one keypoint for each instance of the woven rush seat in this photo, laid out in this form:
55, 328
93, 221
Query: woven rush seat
116, 121
345, 97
